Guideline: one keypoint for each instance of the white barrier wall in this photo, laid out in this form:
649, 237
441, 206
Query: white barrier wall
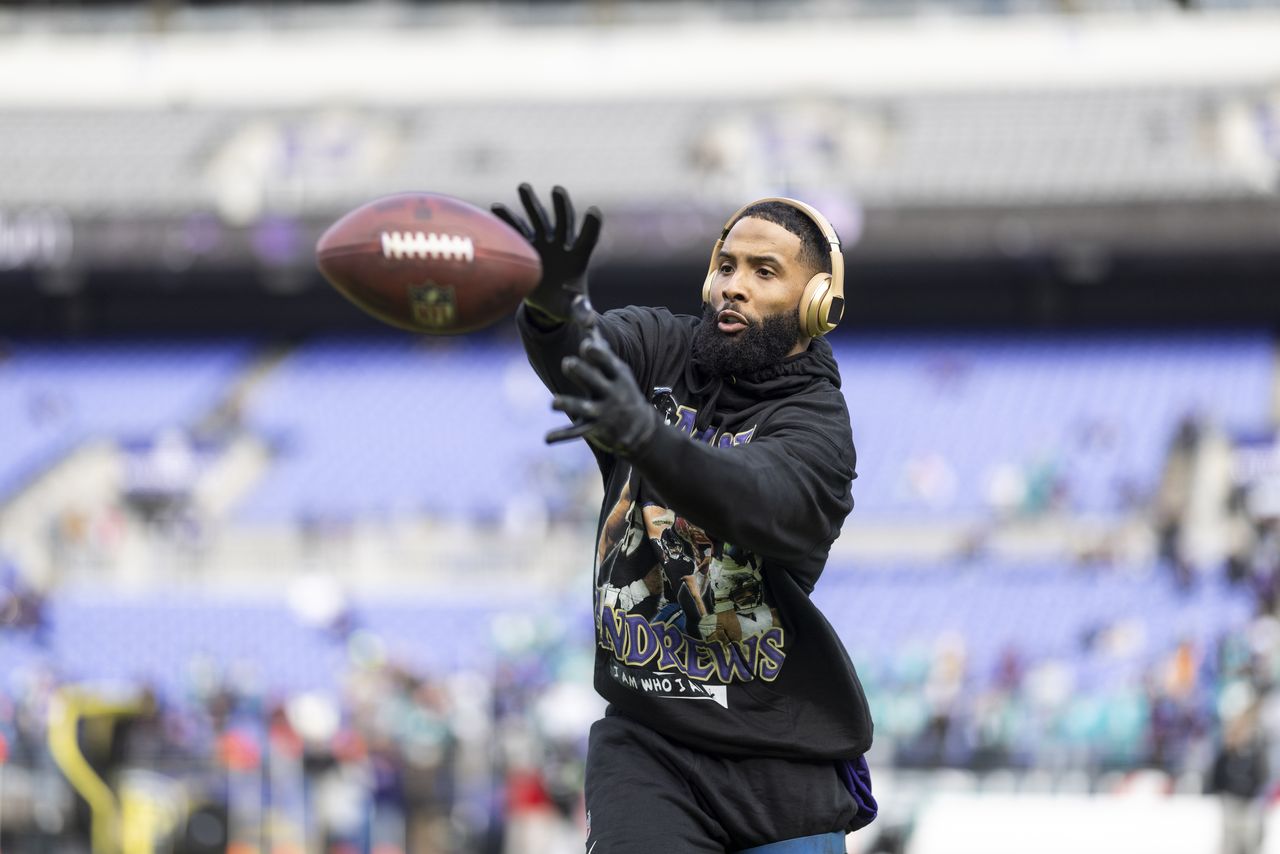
1067, 824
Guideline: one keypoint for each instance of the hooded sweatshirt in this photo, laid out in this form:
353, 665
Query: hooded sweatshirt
710, 540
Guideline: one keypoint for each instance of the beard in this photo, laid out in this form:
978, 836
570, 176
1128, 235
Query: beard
761, 345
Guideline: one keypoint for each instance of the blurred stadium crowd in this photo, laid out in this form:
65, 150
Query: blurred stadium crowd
275, 580
1064, 566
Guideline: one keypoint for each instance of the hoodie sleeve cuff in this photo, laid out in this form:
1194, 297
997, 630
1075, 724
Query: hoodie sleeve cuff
537, 320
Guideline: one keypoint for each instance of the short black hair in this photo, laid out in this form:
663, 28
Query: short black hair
815, 249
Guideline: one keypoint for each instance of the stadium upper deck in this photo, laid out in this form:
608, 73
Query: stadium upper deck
1053, 148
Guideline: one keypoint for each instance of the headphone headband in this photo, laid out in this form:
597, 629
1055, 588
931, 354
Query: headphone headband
822, 304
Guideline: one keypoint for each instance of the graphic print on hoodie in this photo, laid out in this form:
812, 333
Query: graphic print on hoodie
670, 598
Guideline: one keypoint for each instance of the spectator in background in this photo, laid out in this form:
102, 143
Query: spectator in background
21, 605
1174, 492
1238, 777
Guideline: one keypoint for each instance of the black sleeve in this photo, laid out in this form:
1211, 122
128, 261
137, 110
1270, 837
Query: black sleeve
547, 344
783, 495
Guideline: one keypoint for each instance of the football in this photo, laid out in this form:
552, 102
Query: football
429, 263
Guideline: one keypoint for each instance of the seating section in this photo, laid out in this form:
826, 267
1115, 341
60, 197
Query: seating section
386, 428
979, 148
165, 640
376, 428
379, 429
95, 162
1067, 654
1018, 147
1082, 421
1106, 625
53, 397
988, 665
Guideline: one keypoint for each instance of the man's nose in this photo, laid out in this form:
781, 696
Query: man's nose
733, 288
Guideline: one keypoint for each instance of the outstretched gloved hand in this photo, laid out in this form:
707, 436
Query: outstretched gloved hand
612, 412
564, 254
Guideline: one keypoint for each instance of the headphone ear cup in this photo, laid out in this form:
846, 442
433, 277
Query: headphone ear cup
811, 305
706, 287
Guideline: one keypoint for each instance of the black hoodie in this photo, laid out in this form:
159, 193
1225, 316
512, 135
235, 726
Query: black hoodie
711, 539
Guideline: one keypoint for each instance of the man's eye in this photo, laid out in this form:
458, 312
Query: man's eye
766, 272
726, 269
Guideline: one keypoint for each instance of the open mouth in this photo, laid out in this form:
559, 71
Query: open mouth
730, 322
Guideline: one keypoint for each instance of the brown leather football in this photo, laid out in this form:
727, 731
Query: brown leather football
427, 262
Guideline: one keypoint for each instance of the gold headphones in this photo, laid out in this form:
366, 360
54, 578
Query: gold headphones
822, 303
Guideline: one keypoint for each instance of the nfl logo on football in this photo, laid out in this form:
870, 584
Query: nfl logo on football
433, 305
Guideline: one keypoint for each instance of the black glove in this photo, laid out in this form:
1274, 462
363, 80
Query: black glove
564, 255
613, 414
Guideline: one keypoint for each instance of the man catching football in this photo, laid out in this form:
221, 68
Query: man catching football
736, 721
